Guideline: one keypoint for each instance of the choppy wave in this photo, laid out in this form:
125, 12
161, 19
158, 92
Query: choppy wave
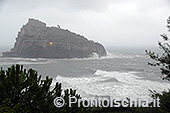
94, 56
115, 55
113, 83
108, 56
11, 60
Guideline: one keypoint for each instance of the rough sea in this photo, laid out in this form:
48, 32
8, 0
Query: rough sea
122, 73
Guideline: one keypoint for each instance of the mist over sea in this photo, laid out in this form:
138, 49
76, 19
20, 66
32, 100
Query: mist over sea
122, 73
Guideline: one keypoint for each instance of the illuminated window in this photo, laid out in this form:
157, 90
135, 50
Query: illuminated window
51, 43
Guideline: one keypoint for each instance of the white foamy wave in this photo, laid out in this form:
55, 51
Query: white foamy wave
114, 55
95, 56
11, 60
21, 63
110, 56
113, 83
100, 72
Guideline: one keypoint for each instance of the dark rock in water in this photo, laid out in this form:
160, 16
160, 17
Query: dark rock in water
36, 40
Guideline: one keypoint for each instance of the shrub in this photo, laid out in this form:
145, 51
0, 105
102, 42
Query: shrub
25, 92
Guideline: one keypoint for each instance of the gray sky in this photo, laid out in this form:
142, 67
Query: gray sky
110, 22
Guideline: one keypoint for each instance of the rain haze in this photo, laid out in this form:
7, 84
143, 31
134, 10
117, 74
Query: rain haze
114, 23
111, 73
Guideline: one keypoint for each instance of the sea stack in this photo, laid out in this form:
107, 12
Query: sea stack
36, 40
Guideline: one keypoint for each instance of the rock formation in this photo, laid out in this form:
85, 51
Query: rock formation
36, 40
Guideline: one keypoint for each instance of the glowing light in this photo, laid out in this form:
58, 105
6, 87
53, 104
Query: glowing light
51, 43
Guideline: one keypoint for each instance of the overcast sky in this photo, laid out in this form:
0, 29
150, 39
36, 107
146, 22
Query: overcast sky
110, 22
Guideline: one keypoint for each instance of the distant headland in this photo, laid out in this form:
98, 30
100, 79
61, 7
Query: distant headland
36, 40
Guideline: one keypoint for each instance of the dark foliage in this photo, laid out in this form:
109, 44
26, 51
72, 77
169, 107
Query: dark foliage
24, 91
163, 62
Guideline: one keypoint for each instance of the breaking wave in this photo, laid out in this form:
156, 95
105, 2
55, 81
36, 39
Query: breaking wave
94, 56
113, 83
11, 60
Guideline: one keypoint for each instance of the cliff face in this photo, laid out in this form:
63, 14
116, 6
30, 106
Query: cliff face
36, 40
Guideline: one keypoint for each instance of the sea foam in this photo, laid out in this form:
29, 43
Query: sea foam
113, 83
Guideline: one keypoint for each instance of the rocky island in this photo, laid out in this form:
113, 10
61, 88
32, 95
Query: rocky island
36, 40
